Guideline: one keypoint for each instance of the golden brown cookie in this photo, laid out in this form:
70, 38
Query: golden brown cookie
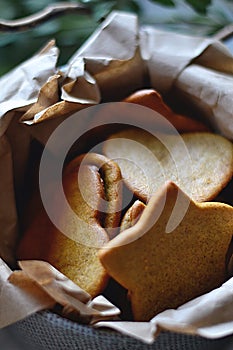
201, 164
75, 251
164, 268
152, 99
112, 179
132, 215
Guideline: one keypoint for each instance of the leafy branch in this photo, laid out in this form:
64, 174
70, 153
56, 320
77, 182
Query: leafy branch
197, 17
197, 5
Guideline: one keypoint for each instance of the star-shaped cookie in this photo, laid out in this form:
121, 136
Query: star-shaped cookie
175, 252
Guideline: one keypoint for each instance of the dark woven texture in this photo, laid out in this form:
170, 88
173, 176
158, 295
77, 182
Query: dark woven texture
47, 331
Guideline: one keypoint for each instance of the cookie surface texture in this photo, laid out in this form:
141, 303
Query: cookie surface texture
163, 268
152, 99
201, 164
75, 251
112, 179
132, 215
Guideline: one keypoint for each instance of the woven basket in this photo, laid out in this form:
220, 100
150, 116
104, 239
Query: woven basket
48, 331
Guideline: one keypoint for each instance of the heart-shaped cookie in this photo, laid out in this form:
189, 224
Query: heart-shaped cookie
201, 164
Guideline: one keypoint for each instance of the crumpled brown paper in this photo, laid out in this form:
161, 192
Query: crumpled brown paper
112, 56
214, 99
99, 71
210, 316
116, 60
19, 300
198, 69
19, 89
168, 55
40, 286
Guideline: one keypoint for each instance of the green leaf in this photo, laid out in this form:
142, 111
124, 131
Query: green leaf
7, 10
7, 38
46, 29
130, 6
164, 2
199, 6
89, 1
102, 9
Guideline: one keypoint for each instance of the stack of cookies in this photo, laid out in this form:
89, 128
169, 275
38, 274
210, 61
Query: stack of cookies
169, 243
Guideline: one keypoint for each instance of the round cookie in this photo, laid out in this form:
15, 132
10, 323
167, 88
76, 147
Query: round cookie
132, 215
112, 179
75, 254
152, 99
201, 164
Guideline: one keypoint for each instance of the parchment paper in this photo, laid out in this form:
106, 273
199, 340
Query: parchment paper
19, 89
40, 286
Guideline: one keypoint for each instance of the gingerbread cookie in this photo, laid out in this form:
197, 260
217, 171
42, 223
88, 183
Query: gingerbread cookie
163, 268
201, 164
